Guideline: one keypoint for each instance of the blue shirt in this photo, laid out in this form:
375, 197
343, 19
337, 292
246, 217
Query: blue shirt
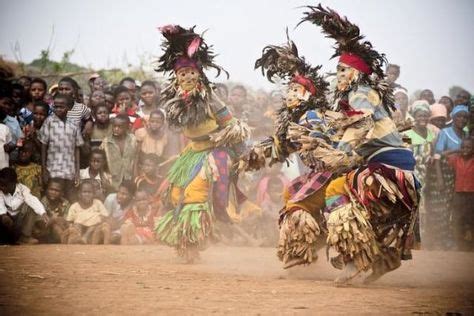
447, 140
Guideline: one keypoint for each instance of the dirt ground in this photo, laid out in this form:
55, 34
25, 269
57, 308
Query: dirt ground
143, 280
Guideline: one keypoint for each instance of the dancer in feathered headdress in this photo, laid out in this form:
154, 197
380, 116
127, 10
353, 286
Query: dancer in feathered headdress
304, 106
372, 209
200, 178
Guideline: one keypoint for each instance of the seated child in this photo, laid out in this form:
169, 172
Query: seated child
148, 180
98, 171
117, 205
19, 210
87, 218
28, 172
139, 221
56, 207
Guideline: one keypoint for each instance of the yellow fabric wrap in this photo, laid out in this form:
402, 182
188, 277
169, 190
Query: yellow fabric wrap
197, 191
336, 187
312, 203
203, 129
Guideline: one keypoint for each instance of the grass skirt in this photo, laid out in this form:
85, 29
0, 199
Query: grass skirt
191, 228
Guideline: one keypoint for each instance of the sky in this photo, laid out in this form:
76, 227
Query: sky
430, 39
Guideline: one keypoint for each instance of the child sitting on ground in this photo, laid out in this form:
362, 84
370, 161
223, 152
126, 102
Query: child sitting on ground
19, 210
117, 205
29, 173
149, 179
98, 171
56, 207
87, 219
139, 221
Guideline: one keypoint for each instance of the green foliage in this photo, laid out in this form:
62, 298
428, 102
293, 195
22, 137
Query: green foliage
47, 66
52, 70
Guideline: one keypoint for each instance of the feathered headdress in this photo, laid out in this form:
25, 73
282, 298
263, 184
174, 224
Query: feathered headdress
352, 49
185, 48
284, 62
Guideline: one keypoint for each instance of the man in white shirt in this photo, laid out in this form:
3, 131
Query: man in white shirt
19, 210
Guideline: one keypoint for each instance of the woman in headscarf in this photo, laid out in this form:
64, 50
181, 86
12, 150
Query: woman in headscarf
440, 189
450, 137
421, 138
439, 116
401, 116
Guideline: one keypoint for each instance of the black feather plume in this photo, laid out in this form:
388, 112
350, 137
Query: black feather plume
349, 40
176, 44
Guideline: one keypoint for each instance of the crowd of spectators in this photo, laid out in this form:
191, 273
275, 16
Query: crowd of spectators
87, 164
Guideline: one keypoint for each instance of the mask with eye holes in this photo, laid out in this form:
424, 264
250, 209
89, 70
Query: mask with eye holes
296, 93
346, 75
188, 78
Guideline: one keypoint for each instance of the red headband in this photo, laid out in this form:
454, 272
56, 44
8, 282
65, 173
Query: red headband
182, 62
355, 62
305, 82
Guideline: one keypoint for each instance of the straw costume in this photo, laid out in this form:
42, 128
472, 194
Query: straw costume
372, 208
201, 177
304, 107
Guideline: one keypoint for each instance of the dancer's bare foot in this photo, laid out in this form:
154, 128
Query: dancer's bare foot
294, 262
379, 270
348, 273
337, 262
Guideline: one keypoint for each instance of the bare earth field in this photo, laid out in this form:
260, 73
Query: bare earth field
144, 280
